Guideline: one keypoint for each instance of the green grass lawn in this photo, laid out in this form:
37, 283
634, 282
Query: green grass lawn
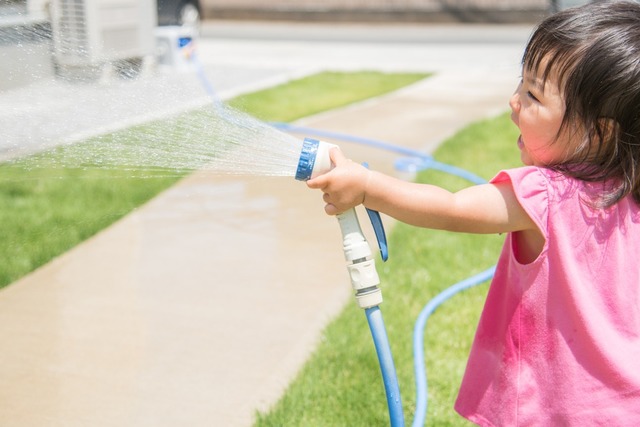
341, 383
49, 205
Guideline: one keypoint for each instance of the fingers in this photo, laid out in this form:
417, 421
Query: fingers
330, 209
320, 183
317, 182
336, 156
326, 181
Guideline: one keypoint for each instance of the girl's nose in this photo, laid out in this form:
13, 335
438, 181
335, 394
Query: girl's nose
514, 102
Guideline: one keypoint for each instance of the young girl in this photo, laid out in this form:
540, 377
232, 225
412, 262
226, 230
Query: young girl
558, 341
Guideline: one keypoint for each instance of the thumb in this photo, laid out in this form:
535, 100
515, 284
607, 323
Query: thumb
317, 182
336, 156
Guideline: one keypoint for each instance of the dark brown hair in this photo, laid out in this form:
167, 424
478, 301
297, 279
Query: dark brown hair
595, 52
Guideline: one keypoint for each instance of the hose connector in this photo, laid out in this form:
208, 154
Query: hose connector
360, 264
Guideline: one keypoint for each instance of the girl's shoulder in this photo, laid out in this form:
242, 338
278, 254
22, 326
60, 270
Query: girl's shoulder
562, 194
556, 184
543, 175
529, 180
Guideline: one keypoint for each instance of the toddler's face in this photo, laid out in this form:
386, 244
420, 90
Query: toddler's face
538, 109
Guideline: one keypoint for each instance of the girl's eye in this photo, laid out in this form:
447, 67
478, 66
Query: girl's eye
532, 96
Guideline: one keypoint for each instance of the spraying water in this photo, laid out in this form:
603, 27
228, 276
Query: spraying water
226, 141
217, 140
155, 125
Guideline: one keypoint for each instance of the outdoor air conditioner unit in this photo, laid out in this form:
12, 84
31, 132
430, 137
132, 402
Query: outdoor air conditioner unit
88, 34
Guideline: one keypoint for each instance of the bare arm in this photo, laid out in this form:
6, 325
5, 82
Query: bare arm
487, 208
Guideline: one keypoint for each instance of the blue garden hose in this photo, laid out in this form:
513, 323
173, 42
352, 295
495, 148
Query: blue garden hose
418, 339
388, 370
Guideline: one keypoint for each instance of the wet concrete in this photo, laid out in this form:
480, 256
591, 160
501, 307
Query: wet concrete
168, 317
200, 307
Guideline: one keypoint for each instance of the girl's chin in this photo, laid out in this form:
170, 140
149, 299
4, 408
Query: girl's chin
526, 160
524, 156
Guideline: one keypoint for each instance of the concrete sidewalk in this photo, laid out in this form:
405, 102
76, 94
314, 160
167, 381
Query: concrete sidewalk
201, 306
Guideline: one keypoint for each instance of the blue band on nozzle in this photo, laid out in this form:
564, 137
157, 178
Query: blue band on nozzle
307, 159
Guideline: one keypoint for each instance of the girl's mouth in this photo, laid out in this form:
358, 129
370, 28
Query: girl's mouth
520, 142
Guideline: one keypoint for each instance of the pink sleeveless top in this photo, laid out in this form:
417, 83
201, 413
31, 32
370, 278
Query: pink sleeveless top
558, 343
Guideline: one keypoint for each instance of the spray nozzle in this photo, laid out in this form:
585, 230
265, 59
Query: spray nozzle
315, 160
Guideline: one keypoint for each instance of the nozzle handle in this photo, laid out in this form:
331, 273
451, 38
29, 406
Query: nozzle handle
378, 229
